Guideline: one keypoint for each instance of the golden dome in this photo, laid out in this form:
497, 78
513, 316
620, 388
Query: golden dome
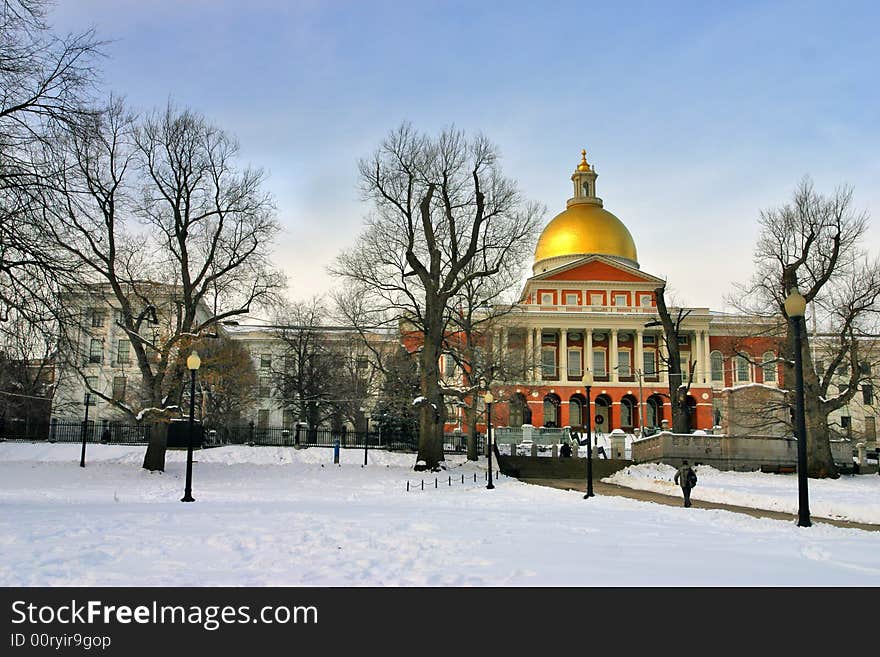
585, 228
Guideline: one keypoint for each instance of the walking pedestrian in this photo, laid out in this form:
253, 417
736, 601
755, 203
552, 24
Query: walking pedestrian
687, 479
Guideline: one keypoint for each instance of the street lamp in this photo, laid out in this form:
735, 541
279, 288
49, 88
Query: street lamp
795, 308
367, 432
488, 399
588, 383
193, 362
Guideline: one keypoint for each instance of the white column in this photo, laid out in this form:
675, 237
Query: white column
612, 357
639, 351
664, 355
504, 345
529, 356
588, 349
699, 375
563, 354
707, 360
536, 357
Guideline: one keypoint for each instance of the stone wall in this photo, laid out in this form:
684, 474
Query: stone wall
729, 452
755, 410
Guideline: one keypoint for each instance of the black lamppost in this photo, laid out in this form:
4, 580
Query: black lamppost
588, 383
795, 308
367, 432
488, 399
192, 364
82, 458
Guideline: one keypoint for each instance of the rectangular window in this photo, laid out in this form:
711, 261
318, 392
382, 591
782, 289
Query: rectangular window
546, 299
548, 362
574, 364
119, 388
865, 368
96, 351
89, 397
448, 366
265, 386
620, 300
843, 369
870, 428
571, 299
685, 362
649, 339
548, 338
599, 362
289, 363
361, 363
123, 352
820, 366
624, 365
597, 300
682, 339
845, 421
867, 393
650, 363
645, 300
263, 418
287, 419
98, 318
265, 361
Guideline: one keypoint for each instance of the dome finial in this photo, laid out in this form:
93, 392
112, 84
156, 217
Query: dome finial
583, 166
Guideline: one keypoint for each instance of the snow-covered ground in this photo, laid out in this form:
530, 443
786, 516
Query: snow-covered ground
282, 517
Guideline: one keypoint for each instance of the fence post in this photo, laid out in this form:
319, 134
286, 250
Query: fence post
251, 425
82, 458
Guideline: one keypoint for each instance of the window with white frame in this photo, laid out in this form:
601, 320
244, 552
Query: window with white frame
597, 300
649, 363
624, 364
123, 352
685, 364
263, 418
599, 362
649, 339
548, 362
742, 369
645, 300
448, 366
574, 363
620, 300
119, 388
546, 298
265, 361
91, 384
96, 350
571, 299
98, 318
769, 366
716, 361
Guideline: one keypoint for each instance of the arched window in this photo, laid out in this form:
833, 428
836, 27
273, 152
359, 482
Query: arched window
575, 412
626, 413
769, 366
586, 189
551, 411
653, 411
742, 369
717, 362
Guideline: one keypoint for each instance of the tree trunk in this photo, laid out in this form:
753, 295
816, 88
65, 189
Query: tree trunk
430, 428
470, 415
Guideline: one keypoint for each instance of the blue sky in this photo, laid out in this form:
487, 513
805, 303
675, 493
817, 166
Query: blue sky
697, 115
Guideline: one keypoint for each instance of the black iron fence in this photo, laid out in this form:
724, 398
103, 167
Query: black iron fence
63, 431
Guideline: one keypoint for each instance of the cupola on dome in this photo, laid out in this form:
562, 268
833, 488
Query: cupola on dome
584, 228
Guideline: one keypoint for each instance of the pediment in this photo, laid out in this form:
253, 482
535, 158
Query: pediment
597, 268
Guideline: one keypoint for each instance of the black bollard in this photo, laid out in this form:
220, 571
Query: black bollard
407, 487
423, 484
450, 480
435, 482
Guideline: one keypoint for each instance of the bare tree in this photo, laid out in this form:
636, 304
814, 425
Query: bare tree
45, 81
813, 244
679, 385
443, 215
170, 232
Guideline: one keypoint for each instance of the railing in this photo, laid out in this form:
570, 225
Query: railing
71, 431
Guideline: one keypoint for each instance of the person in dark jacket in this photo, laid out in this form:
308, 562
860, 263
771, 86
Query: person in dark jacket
565, 451
686, 478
